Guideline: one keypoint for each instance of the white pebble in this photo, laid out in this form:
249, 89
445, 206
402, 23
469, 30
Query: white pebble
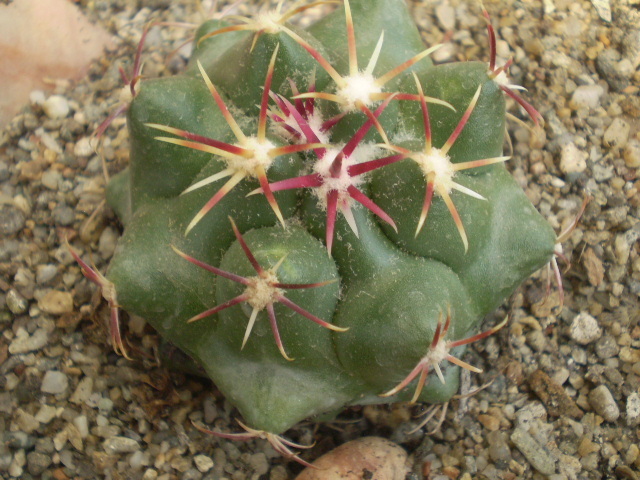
617, 134
572, 160
25, 421
137, 460
37, 97
203, 463
82, 424
107, 242
586, 96
585, 329
54, 382
19, 460
633, 409
120, 445
83, 391
446, 16
150, 474
23, 342
46, 414
51, 179
45, 273
105, 405
631, 154
11, 381
604, 404
83, 147
56, 106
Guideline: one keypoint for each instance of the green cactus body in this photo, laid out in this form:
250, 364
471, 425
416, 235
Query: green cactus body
284, 329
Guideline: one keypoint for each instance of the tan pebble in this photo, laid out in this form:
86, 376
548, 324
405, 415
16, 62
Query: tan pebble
56, 302
593, 266
629, 355
633, 453
451, 472
617, 134
587, 447
368, 457
490, 422
631, 154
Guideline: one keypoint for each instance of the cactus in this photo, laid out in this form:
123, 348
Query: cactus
321, 217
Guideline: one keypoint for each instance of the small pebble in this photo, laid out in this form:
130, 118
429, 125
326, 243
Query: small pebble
617, 134
51, 179
573, 160
19, 460
105, 405
150, 474
38, 462
490, 422
46, 413
54, 382
23, 342
137, 460
120, 445
633, 409
536, 454
446, 16
66, 458
83, 391
603, 403
63, 215
45, 273
608, 65
259, 463
16, 303
25, 421
56, 106
380, 457
82, 425
108, 241
203, 463
631, 154
528, 414
607, 347
83, 147
584, 329
56, 302
11, 220
586, 96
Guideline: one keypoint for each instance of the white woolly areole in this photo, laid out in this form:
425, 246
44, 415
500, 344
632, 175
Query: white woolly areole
261, 157
358, 88
501, 78
269, 22
438, 164
437, 354
261, 291
341, 183
125, 94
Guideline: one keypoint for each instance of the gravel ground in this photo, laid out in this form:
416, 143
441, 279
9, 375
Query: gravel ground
563, 394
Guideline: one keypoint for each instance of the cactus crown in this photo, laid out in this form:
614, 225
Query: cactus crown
369, 201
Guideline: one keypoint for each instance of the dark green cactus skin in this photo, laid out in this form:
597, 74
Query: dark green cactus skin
391, 288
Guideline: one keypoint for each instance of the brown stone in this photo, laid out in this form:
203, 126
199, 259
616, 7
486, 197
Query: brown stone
553, 396
489, 422
593, 266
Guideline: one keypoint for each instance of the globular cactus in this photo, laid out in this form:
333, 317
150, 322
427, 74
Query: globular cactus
321, 217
